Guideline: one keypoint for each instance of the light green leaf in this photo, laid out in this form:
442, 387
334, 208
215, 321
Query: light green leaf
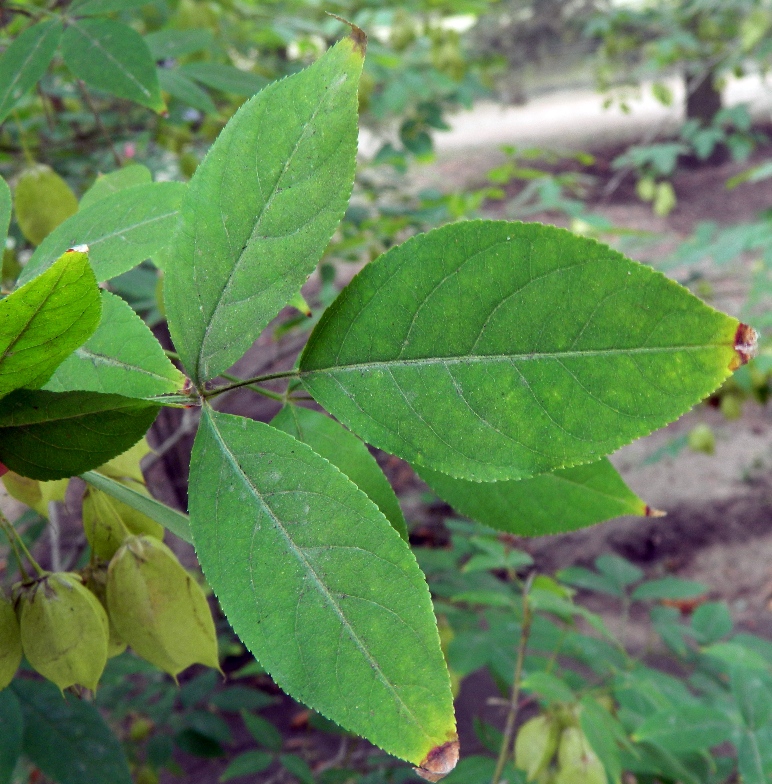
169, 518
111, 56
170, 44
121, 230
25, 61
122, 356
669, 588
345, 451
95, 7
6, 206
43, 322
225, 78
53, 435
118, 180
318, 585
752, 690
685, 728
42, 200
754, 756
260, 210
185, 90
67, 738
493, 350
553, 503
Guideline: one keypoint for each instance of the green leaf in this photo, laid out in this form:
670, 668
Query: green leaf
752, 689
169, 518
246, 764
95, 7
185, 90
285, 539
113, 57
225, 78
492, 350
604, 734
68, 738
43, 322
25, 61
733, 653
106, 184
240, 698
263, 731
580, 577
11, 733
619, 570
552, 503
6, 206
345, 451
122, 356
711, 621
260, 210
754, 756
669, 588
53, 435
121, 230
171, 44
686, 728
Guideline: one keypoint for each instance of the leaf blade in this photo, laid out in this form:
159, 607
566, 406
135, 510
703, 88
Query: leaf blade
122, 357
376, 667
492, 386
44, 321
260, 209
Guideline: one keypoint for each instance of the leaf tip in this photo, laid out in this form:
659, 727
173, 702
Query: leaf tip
745, 344
650, 511
439, 761
358, 36
77, 249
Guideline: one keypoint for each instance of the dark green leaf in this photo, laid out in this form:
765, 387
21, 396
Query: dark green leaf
210, 725
752, 689
106, 184
53, 435
552, 503
686, 728
67, 737
11, 733
298, 768
225, 78
260, 209
238, 698
470, 351
171, 519
168, 44
263, 731
25, 61
121, 230
669, 588
198, 745
122, 356
284, 539
246, 764
95, 7
589, 580
183, 89
113, 57
44, 321
344, 450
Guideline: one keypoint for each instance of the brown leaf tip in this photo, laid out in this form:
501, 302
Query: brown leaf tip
77, 249
650, 511
745, 344
439, 761
357, 34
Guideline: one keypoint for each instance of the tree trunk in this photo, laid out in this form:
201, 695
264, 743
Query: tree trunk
703, 100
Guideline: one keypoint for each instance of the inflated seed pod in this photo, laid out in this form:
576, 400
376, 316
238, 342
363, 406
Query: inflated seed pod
577, 762
10, 643
95, 579
158, 608
64, 630
535, 745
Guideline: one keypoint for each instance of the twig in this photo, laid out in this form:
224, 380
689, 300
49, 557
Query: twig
249, 381
509, 727
98, 120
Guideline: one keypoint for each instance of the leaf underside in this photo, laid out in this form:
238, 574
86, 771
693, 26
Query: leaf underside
493, 350
318, 585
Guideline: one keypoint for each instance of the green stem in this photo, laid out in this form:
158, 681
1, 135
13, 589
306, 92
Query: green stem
260, 390
17, 543
249, 381
98, 120
509, 727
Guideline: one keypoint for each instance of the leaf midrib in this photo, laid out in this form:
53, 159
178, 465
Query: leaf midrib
298, 553
113, 362
470, 359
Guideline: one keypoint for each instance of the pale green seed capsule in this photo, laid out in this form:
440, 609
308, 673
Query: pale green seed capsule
158, 608
64, 631
10, 643
535, 745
